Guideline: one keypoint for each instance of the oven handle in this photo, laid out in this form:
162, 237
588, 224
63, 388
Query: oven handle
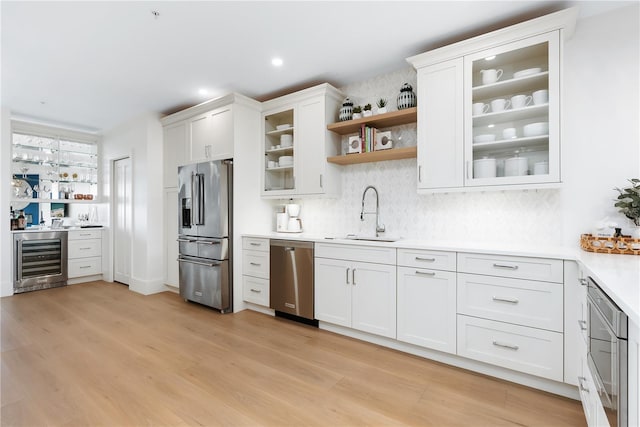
205, 264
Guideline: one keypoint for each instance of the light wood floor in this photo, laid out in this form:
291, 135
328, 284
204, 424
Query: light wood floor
98, 354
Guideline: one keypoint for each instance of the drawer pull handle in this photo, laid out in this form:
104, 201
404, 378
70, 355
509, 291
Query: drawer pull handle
84, 249
85, 234
582, 324
200, 242
509, 300
425, 259
503, 345
256, 290
425, 273
255, 244
348, 276
582, 387
508, 267
85, 266
185, 240
255, 264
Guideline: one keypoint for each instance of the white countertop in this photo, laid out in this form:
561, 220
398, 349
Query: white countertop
44, 229
617, 275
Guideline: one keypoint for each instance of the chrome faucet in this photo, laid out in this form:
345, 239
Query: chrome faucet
379, 227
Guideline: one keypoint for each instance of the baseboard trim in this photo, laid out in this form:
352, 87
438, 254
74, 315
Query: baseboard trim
147, 287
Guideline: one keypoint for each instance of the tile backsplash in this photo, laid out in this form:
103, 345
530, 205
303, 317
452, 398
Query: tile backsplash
528, 217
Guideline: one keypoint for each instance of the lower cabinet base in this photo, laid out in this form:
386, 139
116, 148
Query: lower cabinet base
84, 279
532, 381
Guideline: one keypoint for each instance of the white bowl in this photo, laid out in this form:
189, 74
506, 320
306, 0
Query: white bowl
285, 160
487, 137
284, 126
536, 129
527, 72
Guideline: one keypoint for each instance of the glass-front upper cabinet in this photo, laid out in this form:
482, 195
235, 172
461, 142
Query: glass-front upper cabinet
49, 168
511, 110
279, 152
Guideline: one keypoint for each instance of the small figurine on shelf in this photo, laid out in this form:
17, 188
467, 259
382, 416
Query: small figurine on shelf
367, 111
346, 112
357, 112
406, 98
382, 105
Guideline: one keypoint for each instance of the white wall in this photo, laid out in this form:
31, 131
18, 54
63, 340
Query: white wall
600, 150
6, 248
141, 140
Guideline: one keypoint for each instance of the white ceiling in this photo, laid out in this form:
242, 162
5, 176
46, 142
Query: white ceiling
93, 65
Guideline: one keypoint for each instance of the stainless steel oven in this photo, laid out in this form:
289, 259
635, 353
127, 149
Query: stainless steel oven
608, 357
40, 260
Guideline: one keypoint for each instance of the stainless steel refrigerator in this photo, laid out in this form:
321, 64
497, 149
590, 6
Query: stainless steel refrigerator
205, 238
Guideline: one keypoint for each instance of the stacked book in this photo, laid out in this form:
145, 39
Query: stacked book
368, 138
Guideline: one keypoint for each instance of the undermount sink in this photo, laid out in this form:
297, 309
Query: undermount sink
372, 238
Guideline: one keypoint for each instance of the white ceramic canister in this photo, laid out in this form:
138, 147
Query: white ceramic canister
286, 140
484, 168
516, 166
541, 168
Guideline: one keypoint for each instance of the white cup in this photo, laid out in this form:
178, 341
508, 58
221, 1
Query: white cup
480, 108
490, 76
541, 168
540, 97
515, 166
499, 105
509, 133
286, 140
271, 164
521, 101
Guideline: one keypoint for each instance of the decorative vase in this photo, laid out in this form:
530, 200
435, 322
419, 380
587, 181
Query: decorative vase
406, 98
346, 112
357, 116
382, 110
367, 113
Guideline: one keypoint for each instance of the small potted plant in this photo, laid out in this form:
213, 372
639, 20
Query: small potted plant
628, 204
382, 105
367, 111
357, 112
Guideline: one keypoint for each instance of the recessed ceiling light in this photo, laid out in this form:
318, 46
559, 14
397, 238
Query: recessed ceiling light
203, 92
489, 58
491, 125
277, 62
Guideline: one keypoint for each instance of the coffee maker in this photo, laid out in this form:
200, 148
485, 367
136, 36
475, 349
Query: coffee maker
294, 225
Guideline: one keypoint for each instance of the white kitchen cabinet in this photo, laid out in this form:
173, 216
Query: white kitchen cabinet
84, 256
530, 350
174, 152
517, 267
440, 126
211, 135
255, 270
427, 308
526, 58
295, 126
171, 267
356, 294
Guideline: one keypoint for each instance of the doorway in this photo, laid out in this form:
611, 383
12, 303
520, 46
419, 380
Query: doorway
122, 218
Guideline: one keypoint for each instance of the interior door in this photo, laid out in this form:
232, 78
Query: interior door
122, 216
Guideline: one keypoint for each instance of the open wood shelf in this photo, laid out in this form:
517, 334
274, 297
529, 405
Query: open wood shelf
380, 121
375, 156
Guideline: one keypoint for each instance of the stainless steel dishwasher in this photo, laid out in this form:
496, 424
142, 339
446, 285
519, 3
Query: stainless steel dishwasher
291, 280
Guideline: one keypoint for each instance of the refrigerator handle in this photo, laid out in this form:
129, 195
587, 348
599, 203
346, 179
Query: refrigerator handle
193, 199
200, 199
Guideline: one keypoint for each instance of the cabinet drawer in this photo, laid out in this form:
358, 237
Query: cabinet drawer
255, 290
528, 350
547, 270
85, 248
523, 302
84, 267
255, 244
84, 234
434, 260
375, 254
255, 264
